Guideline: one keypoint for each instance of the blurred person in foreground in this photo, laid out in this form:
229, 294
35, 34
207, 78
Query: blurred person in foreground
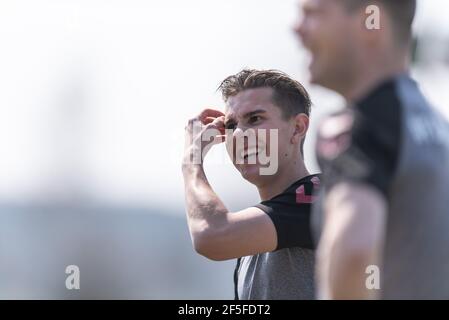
272, 240
384, 208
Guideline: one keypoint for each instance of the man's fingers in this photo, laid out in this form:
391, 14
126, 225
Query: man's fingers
209, 113
209, 120
220, 138
217, 123
217, 140
207, 116
215, 130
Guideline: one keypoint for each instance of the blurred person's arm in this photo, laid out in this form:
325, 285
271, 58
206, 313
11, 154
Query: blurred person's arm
217, 233
358, 150
352, 240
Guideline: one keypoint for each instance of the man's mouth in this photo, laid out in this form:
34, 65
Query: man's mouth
252, 152
251, 155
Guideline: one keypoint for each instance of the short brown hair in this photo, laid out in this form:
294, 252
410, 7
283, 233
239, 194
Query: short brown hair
288, 94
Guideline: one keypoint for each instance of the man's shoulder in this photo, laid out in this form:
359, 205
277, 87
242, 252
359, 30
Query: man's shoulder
303, 191
307, 189
334, 134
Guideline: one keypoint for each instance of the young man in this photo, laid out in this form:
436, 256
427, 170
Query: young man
384, 159
272, 239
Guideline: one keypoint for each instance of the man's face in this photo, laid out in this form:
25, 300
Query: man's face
327, 31
254, 109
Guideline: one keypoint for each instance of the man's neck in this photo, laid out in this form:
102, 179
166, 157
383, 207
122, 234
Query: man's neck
373, 75
283, 180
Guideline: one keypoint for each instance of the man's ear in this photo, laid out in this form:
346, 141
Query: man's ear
301, 122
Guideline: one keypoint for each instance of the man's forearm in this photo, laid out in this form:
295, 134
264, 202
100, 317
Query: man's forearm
203, 207
206, 215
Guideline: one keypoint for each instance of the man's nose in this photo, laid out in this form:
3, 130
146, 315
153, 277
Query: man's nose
299, 28
243, 136
240, 131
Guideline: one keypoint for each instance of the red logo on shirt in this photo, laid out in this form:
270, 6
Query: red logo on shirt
302, 197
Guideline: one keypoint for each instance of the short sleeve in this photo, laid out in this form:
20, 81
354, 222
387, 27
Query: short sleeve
363, 144
291, 214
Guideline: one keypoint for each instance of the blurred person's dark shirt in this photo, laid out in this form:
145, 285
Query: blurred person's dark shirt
395, 142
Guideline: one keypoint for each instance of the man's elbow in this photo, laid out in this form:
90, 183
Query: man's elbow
209, 252
208, 243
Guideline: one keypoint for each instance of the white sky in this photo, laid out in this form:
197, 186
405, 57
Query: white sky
95, 94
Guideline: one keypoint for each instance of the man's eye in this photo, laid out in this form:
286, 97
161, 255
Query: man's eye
230, 126
254, 119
